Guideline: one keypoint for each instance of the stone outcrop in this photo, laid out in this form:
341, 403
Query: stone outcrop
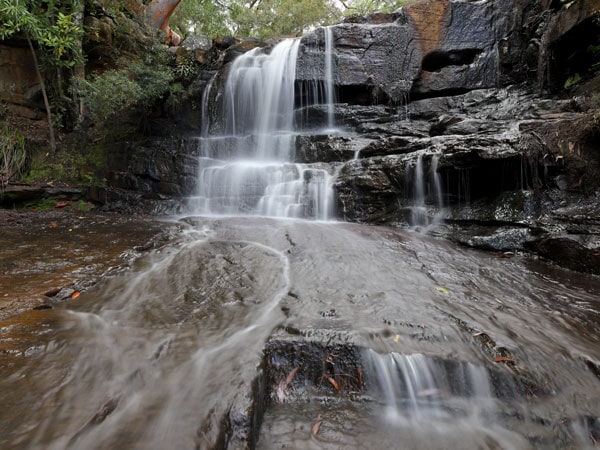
19, 85
426, 48
506, 157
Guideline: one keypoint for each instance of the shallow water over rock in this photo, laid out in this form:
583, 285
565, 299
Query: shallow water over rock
257, 333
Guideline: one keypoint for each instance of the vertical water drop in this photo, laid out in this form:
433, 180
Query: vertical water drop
329, 86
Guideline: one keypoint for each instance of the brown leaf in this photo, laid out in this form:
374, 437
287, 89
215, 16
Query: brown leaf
503, 359
75, 294
284, 384
316, 427
290, 376
333, 383
61, 204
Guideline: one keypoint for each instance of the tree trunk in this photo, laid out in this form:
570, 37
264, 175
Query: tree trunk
158, 13
44, 93
79, 69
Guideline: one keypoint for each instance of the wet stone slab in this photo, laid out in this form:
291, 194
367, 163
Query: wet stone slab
46, 256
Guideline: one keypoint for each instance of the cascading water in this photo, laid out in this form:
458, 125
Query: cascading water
429, 401
415, 387
329, 87
248, 168
423, 190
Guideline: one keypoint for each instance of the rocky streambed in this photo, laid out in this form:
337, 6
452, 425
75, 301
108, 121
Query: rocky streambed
262, 333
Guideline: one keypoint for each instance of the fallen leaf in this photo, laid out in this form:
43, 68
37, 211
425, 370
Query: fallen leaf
284, 384
53, 225
442, 290
75, 294
360, 376
316, 427
61, 204
397, 338
333, 383
478, 334
290, 376
502, 359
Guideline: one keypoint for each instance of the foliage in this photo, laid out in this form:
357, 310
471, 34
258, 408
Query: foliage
573, 80
51, 24
137, 85
266, 19
79, 166
276, 18
206, 17
364, 7
185, 70
12, 154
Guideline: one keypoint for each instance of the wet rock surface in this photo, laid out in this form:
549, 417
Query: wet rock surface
48, 256
258, 333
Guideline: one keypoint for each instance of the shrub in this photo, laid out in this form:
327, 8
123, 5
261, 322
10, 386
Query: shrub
13, 155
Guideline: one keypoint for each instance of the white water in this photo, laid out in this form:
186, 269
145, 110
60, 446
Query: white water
426, 189
329, 88
428, 402
248, 167
416, 387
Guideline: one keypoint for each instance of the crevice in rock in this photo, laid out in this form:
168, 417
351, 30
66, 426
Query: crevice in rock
416, 95
575, 56
437, 60
485, 179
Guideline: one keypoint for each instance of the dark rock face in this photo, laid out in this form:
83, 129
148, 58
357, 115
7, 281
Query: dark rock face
382, 56
426, 48
504, 160
162, 166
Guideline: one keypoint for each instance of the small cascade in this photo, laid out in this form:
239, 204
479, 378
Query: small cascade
431, 403
426, 190
418, 214
247, 166
414, 387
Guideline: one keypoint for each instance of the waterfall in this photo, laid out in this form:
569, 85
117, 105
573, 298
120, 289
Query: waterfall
247, 167
423, 190
329, 88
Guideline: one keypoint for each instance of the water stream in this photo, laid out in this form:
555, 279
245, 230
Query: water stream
427, 189
161, 356
453, 348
